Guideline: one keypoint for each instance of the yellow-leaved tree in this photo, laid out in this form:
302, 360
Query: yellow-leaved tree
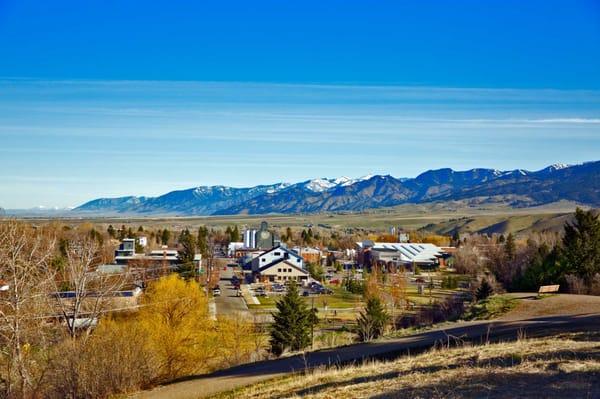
180, 333
236, 340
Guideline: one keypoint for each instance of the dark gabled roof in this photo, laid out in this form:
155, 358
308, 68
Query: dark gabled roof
275, 262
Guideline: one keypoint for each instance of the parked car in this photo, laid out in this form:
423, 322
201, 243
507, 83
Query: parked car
216, 291
260, 291
322, 290
278, 288
305, 293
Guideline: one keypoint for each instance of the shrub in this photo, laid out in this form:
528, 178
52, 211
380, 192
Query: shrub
484, 290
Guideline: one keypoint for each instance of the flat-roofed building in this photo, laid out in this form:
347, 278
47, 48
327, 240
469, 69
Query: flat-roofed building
406, 255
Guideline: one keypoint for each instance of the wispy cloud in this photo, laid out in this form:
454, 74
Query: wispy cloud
66, 141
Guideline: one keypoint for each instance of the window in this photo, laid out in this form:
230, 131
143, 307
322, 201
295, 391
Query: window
263, 260
277, 253
278, 270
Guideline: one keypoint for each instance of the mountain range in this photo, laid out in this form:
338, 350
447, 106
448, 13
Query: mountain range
518, 188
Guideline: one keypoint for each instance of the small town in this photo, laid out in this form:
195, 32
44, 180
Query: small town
265, 199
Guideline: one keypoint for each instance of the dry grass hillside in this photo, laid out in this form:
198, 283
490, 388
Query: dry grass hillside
558, 367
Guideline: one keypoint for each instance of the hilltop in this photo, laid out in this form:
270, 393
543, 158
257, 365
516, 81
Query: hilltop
566, 365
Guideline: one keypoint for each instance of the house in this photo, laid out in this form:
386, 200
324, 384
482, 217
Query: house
233, 247
125, 255
310, 255
126, 248
276, 254
143, 241
281, 270
164, 255
392, 255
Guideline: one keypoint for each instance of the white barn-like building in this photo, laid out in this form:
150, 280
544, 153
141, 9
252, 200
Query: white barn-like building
399, 254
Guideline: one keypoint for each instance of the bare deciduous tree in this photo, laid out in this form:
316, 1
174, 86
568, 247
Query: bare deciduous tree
24, 259
90, 291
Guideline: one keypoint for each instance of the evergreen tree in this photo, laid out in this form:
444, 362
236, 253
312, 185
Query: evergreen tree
544, 269
203, 241
122, 232
456, 238
372, 320
509, 247
140, 229
165, 236
581, 245
111, 231
188, 244
235, 234
484, 290
288, 234
292, 323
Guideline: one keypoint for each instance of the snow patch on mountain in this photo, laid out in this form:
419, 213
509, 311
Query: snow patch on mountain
320, 185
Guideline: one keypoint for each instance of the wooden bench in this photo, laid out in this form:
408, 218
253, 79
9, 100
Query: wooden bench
548, 289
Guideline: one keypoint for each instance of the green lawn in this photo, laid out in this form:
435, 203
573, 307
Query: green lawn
340, 299
490, 308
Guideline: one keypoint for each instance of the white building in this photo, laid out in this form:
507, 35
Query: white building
399, 253
143, 241
277, 254
282, 270
233, 247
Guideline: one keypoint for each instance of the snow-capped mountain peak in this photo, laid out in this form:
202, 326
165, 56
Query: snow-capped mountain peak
557, 166
324, 184
320, 185
277, 187
342, 180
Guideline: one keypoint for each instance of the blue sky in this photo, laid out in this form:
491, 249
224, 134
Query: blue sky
114, 98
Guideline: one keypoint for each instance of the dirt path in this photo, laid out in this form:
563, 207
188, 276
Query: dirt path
577, 319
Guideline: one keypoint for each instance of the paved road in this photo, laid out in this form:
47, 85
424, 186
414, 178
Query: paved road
206, 385
229, 303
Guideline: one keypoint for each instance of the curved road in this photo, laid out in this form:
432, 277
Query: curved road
476, 332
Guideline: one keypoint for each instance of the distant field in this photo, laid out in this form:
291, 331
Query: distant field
442, 218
